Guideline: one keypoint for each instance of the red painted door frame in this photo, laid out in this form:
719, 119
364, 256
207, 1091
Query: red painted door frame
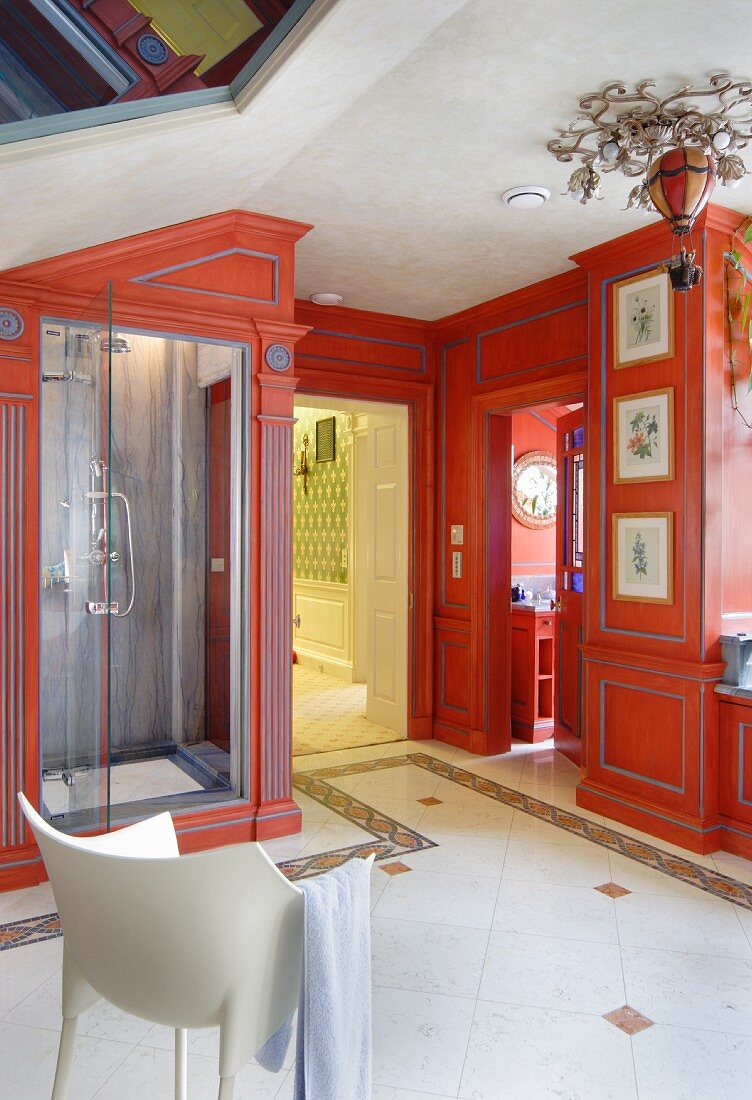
568, 710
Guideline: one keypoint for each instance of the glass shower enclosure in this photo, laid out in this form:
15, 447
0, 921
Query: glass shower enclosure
142, 549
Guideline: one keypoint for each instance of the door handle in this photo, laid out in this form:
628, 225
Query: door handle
296, 621
557, 603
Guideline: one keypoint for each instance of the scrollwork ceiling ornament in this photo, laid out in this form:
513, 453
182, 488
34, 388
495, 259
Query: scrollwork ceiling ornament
677, 144
624, 130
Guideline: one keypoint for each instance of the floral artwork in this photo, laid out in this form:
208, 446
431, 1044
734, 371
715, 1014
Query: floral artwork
644, 436
643, 320
643, 557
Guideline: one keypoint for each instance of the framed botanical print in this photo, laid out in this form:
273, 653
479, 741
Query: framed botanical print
643, 319
644, 436
643, 557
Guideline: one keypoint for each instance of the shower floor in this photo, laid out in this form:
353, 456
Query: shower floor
131, 782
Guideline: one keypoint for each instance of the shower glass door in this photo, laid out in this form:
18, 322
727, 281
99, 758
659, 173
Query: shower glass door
144, 550
74, 557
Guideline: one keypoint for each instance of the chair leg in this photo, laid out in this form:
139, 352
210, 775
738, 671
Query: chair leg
181, 1064
226, 1088
65, 1059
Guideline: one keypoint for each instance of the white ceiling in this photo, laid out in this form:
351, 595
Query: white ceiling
393, 129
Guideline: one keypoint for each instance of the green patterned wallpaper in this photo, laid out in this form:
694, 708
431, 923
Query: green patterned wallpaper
320, 517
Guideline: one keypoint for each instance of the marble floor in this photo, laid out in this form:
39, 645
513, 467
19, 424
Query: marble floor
130, 782
514, 956
330, 714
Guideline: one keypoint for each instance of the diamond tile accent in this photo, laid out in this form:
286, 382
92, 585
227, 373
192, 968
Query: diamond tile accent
397, 868
613, 890
628, 1020
431, 801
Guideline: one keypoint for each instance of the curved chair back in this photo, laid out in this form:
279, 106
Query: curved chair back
185, 941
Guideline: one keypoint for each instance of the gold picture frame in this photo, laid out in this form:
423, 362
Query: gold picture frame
643, 312
643, 426
642, 557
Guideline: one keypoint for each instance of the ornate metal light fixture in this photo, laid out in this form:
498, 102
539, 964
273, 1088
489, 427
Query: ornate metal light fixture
676, 148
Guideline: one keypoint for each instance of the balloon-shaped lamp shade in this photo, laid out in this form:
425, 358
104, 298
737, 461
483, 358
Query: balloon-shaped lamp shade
680, 184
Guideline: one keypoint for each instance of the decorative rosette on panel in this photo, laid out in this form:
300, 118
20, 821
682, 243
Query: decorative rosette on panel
675, 149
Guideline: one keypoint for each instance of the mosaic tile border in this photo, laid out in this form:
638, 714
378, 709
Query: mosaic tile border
390, 838
711, 882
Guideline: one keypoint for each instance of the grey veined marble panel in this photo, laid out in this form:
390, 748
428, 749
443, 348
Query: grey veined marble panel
158, 460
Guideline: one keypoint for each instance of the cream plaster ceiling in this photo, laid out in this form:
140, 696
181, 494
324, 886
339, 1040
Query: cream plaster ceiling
392, 128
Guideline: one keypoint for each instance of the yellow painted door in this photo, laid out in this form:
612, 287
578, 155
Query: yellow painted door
211, 27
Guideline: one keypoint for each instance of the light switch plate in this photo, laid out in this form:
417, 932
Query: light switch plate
217, 565
456, 564
457, 534
344, 557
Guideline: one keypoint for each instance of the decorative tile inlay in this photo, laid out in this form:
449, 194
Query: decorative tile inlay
431, 801
712, 882
612, 890
398, 868
391, 838
628, 1020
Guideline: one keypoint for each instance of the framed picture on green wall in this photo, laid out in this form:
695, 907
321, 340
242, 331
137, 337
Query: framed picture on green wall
326, 439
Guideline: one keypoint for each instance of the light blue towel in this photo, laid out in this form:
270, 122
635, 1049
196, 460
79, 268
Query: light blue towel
333, 1056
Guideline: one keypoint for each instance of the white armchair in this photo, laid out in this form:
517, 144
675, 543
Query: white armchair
213, 939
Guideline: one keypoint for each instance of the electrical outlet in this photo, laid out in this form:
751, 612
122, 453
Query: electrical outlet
456, 564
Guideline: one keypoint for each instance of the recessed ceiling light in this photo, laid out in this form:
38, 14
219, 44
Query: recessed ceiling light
327, 298
527, 197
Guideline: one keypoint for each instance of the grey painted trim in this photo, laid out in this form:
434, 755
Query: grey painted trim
653, 813
148, 279
546, 423
95, 50
625, 771
675, 638
517, 324
444, 645
367, 340
444, 350
654, 671
16, 396
464, 731
92, 117
741, 727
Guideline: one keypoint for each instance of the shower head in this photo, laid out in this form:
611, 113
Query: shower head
117, 345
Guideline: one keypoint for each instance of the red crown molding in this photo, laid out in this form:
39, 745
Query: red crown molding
112, 253
568, 284
337, 316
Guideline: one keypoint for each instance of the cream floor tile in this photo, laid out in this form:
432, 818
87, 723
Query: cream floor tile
569, 912
28, 1056
461, 900
204, 1042
583, 864
407, 782
676, 1063
545, 972
384, 1092
32, 902
43, 1008
461, 855
311, 809
708, 992
147, 1073
23, 969
289, 847
335, 834
520, 1053
488, 819
419, 1039
408, 811
427, 958
702, 925
506, 770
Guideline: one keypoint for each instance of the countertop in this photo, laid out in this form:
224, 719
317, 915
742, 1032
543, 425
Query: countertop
537, 609
734, 691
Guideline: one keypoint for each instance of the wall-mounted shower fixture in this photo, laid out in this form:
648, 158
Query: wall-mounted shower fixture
99, 555
117, 345
66, 376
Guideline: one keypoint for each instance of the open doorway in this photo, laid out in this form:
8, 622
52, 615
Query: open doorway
350, 573
546, 563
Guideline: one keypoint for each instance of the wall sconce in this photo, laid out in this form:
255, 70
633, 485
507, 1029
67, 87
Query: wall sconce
302, 469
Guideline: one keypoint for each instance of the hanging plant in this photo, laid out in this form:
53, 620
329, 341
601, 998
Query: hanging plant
738, 312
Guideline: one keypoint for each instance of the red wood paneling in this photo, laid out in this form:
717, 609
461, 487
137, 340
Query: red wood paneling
522, 345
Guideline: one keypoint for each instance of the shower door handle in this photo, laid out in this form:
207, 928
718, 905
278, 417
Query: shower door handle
122, 614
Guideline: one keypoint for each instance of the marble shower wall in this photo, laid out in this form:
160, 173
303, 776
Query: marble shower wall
159, 462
